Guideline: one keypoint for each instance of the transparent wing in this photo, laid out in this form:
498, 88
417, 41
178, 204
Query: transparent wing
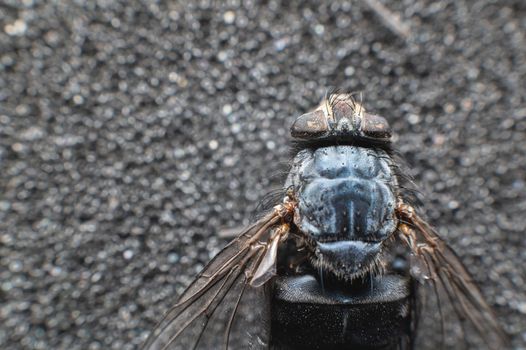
208, 313
437, 267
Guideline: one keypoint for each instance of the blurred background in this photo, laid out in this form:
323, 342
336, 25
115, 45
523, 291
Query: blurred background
134, 135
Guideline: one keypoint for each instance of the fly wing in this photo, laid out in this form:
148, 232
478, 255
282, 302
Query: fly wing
208, 313
436, 266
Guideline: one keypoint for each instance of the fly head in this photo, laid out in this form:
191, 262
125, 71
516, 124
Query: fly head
340, 118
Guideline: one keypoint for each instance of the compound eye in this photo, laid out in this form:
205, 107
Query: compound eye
310, 125
375, 126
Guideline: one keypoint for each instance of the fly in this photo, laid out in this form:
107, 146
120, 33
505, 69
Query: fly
341, 262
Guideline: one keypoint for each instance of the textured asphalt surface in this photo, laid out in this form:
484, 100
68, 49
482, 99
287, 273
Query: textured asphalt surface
133, 132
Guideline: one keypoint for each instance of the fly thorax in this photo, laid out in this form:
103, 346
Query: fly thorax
346, 202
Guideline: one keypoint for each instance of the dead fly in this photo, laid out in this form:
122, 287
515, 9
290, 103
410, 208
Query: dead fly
342, 262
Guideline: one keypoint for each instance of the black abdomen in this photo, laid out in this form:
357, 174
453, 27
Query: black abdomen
305, 316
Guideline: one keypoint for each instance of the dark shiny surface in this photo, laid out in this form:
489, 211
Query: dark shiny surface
305, 316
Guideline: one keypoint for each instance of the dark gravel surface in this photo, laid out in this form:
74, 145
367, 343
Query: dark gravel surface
131, 132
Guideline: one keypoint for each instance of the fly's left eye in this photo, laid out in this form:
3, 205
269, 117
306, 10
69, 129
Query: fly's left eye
375, 126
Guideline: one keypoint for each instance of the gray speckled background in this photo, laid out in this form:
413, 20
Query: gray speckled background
132, 131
